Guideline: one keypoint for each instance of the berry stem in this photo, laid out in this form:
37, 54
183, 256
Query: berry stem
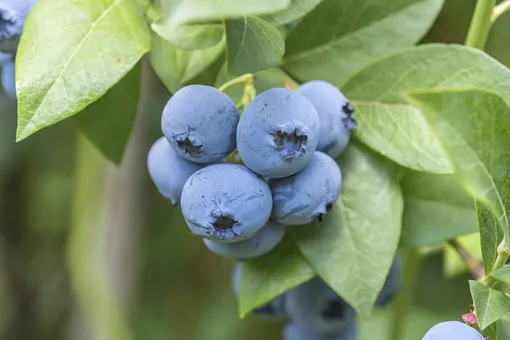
500, 9
480, 24
244, 79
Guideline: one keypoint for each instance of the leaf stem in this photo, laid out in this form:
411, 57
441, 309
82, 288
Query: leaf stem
400, 310
480, 24
500, 9
474, 266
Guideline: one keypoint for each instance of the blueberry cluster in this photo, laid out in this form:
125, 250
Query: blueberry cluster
287, 141
13, 14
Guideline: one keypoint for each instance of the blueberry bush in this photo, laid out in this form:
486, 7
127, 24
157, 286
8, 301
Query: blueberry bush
347, 162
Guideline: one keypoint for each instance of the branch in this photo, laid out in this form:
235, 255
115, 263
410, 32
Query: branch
474, 266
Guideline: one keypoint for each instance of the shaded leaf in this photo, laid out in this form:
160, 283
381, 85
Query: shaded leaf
175, 66
490, 304
338, 38
73, 62
190, 11
108, 121
401, 133
502, 274
297, 9
368, 212
474, 127
436, 209
189, 37
252, 45
271, 275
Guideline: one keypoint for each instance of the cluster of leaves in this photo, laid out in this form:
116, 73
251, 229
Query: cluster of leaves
430, 158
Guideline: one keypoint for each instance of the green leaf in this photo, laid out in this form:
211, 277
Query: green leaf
175, 66
271, 275
108, 121
253, 45
428, 66
398, 132
472, 125
436, 209
453, 264
73, 62
491, 235
191, 11
490, 304
367, 213
297, 10
189, 37
502, 274
338, 38
504, 327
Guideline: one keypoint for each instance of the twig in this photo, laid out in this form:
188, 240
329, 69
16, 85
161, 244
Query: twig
474, 266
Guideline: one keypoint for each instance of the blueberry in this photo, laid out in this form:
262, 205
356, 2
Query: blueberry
315, 307
452, 330
226, 203
308, 195
335, 115
278, 133
13, 14
168, 170
392, 284
200, 123
273, 310
293, 332
6, 57
9, 79
258, 245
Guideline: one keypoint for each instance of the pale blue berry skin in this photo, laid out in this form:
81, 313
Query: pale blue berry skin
226, 203
392, 285
310, 194
168, 170
278, 133
293, 332
200, 123
6, 57
452, 330
335, 114
273, 310
8, 75
315, 307
261, 243
13, 14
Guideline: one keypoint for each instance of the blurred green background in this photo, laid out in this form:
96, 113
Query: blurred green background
60, 255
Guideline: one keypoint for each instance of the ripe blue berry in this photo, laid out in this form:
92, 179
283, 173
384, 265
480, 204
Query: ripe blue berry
9, 79
452, 330
392, 284
262, 243
278, 133
13, 14
226, 203
308, 195
293, 332
168, 170
335, 115
315, 307
6, 57
200, 123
